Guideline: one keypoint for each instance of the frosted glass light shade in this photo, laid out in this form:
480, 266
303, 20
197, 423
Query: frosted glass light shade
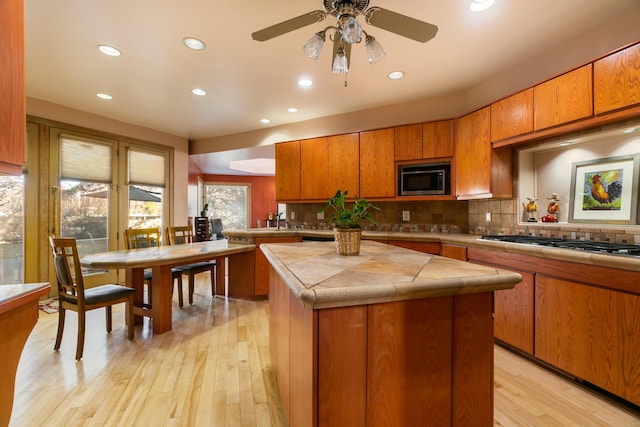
350, 29
313, 47
375, 52
340, 65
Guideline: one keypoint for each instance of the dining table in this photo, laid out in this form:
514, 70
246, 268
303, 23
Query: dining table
160, 260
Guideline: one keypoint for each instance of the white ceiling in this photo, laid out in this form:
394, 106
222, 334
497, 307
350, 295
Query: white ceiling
248, 80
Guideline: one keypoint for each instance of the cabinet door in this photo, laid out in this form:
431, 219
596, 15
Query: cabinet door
589, 332
12, 92
344, 164
454, 251
473, 155
512, 116
377, 166
513, 314
616, 80
408, 142
288, 171
437, 139
314, 169
564, 99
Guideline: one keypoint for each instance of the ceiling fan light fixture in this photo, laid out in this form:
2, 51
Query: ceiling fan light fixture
350, 29
340, 63
313, 47
375, 52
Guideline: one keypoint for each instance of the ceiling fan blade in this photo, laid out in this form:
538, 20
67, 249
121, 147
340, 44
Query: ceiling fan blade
402, 25
290, 25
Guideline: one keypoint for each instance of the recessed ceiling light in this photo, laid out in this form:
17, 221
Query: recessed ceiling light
481, 5
109, 50
304, 82
199, 92
104, 96
292, 109
193, 43
265, 121
395, 75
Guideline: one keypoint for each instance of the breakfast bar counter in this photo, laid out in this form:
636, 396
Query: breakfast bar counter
389, 337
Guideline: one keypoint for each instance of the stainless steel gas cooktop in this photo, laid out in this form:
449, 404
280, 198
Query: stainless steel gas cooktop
584, 245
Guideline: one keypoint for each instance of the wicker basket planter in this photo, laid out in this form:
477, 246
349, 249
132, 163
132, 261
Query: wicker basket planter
347, 241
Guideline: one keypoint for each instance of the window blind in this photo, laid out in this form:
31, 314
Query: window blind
85, 160
146, 168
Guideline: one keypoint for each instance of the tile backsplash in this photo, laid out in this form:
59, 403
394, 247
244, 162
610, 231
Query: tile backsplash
486, 216
437, 216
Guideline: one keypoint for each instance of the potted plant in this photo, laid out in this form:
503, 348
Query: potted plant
346, 218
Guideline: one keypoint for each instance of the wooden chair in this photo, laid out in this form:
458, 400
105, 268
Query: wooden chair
182, 235
137, 238
72, 294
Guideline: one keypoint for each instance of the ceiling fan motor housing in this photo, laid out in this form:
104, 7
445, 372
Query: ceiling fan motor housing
340, 7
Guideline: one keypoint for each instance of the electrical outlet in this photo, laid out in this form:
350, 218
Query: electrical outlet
292, 215
320, 215
487, 217
406, 216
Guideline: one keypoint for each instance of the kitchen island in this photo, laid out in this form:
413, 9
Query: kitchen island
390, 337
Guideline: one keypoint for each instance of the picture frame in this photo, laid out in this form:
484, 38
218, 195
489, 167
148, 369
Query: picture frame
605, 190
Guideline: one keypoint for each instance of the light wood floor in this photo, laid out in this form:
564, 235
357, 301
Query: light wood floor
214, 369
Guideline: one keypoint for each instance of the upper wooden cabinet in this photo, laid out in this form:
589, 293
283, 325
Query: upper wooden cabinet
432, 140
408, 142
473, 155
437, 139
377, 166
314, 169
512, 116
616, 80
344, 164
328, 165
288, 171
564, 99
12, 87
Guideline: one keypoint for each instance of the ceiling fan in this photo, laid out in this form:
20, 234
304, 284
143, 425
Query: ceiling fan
348, 30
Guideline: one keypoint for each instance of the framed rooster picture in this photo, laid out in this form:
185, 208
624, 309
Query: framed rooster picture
605, 190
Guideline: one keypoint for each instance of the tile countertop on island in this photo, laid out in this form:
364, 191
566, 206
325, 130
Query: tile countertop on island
320, 278
571, 255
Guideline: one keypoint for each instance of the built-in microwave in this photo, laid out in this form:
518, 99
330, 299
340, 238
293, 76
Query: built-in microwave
426, 179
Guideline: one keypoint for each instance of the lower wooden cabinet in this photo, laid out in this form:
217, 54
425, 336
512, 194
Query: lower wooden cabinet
425, 362
513, 313
590, 332
588, 329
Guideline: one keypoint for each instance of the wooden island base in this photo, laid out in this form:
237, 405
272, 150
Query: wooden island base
421, 362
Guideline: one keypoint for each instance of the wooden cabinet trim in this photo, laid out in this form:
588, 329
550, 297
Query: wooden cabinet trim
594, 275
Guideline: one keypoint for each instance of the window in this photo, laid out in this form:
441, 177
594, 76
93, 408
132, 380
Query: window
11, 229
146, 181
230, 203
85, 182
